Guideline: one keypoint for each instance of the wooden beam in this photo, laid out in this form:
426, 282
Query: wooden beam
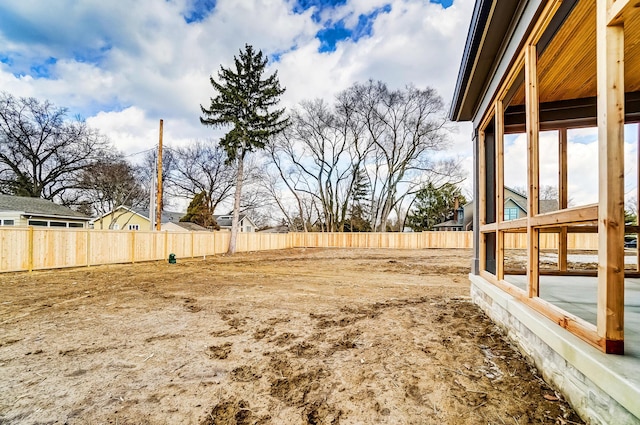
489, 228
517, 226
482, 183
610, 73
563, 196
499, 139
537, 31
574, 215
533, 159
514, 224
543, 22
577, 326
620, 11
482, 191
579, 273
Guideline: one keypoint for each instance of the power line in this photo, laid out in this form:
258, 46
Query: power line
138, 153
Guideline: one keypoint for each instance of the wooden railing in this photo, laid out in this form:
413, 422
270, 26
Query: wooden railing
33, 248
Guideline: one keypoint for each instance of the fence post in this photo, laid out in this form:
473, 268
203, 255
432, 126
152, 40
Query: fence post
133, 246
166, 243
192, 242
30, 260
88, 248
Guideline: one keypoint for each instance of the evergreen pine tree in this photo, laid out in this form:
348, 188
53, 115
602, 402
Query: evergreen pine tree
245, 101
199, 212
433, 205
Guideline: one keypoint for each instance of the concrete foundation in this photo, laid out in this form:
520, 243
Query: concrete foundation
603, 389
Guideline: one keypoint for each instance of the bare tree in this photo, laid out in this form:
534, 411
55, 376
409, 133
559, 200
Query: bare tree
201, 167
281, 172
41, 152
364, 156
318, 156
110, 183
148, 171
406, 127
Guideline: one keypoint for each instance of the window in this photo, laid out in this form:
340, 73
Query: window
134, 227
57, 224
510, 214
76, 225
38, 223
6, 222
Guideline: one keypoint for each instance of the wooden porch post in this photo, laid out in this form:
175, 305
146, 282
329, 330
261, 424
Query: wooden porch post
533, 178
638, 198
562, 197
610, 66
481, 207
499, 136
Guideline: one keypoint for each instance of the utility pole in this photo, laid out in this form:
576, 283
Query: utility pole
159, 196
152, 196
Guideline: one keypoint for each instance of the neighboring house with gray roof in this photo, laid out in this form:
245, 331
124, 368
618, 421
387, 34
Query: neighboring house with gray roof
126, 218
25, 211
515, 206
224, 221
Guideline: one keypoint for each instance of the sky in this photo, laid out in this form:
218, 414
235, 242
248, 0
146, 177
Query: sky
124, 65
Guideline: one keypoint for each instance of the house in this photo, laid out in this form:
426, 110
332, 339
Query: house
461, 221
555, 66
181, 226
126, 218
515, 207
24, 211
245, 223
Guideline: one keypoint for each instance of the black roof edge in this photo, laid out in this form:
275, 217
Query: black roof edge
481, 12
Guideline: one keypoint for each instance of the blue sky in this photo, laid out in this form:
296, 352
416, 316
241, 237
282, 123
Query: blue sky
124, 65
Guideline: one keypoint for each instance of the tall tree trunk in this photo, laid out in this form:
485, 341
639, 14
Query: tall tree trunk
236, 206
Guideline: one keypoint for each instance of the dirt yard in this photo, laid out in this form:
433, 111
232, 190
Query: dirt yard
286, 337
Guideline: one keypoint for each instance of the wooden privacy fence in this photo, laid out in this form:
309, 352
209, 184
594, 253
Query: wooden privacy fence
33, 248
418, 240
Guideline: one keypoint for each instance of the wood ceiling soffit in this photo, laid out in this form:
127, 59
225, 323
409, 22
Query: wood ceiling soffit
567, 68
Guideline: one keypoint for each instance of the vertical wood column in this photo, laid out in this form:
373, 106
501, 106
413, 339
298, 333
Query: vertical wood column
638, 198
499, 136
482, 200
610, 59
475, 242
533, 133
563, 196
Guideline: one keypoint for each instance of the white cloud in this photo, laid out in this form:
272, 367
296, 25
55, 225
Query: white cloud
582, 163
125, 65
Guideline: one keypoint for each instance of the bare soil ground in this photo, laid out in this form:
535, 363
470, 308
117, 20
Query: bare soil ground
284, 337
